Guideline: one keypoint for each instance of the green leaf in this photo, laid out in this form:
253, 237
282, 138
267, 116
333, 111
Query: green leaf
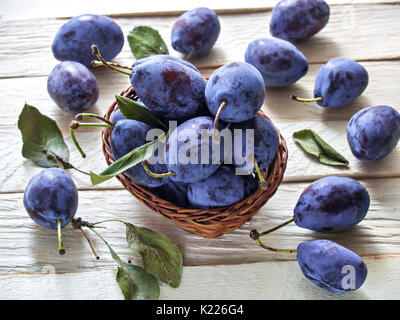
161, 257
43, 142
129, 160
145, 41
136, 283
135, 111
312, 143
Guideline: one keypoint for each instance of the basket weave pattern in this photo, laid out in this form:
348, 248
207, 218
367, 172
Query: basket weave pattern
210, 223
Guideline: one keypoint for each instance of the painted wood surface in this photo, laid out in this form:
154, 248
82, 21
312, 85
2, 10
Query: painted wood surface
366, 31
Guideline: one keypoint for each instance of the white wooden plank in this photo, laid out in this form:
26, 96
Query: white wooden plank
257, 281
25, 9
349, 30
26, 247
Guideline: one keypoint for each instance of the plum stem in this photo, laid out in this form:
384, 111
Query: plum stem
96, 52
255, 235
261, 179
72, 134
90, 243
97, 64
81, 116
61, 162
216, 120
156, 175
294, 97
189, 55
61, 250
74, 125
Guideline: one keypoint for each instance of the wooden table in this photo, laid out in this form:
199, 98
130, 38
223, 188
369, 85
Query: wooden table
232, 266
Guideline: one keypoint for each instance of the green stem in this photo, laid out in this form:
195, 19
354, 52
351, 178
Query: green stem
96, 52
189, 55
97, 64
61, 249
294, 97
61, 162
81, 116
72, 134
156, 175
216, 120
255, 235
261, 179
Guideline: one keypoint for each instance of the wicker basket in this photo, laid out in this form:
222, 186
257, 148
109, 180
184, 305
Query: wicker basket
206, 223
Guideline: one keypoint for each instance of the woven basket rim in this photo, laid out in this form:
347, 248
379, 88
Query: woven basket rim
210, 223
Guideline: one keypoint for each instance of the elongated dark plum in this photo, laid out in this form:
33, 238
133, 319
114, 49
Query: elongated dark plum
373, 132
169, 88
164, 57
189, 150
298, 19
73, 87
241, 85
222, 188
197, 29
279, 62
332, 204
174, 192
73, 41
128, 135
331, 266
265, 142
339, 82
51, 195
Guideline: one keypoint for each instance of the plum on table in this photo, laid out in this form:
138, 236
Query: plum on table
195, 32
73, 87
74, 39
279, 61
298, 19
373, 132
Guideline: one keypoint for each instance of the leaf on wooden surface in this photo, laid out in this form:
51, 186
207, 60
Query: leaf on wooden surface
161, 257
145, 41
43, 142
312, 143
136, 283
129, 160
134, 110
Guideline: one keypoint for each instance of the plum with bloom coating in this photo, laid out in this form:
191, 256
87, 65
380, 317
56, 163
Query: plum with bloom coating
332, 204
195, 32
74, 39
372, 133
73, 87
50, 196
241, 86
298, 19
331, 266
279, 62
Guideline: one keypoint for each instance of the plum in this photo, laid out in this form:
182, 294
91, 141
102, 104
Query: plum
222, 188
372, 133
50, 196
174, 192
164, 57
74, 39
331, 266
298, 19
241, 86
73, 87
128, 135
279, 62
265, 143
195, 32
168, 88
190, 150
339, 82
332, 204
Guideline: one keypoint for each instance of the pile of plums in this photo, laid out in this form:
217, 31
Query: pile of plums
217, 142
